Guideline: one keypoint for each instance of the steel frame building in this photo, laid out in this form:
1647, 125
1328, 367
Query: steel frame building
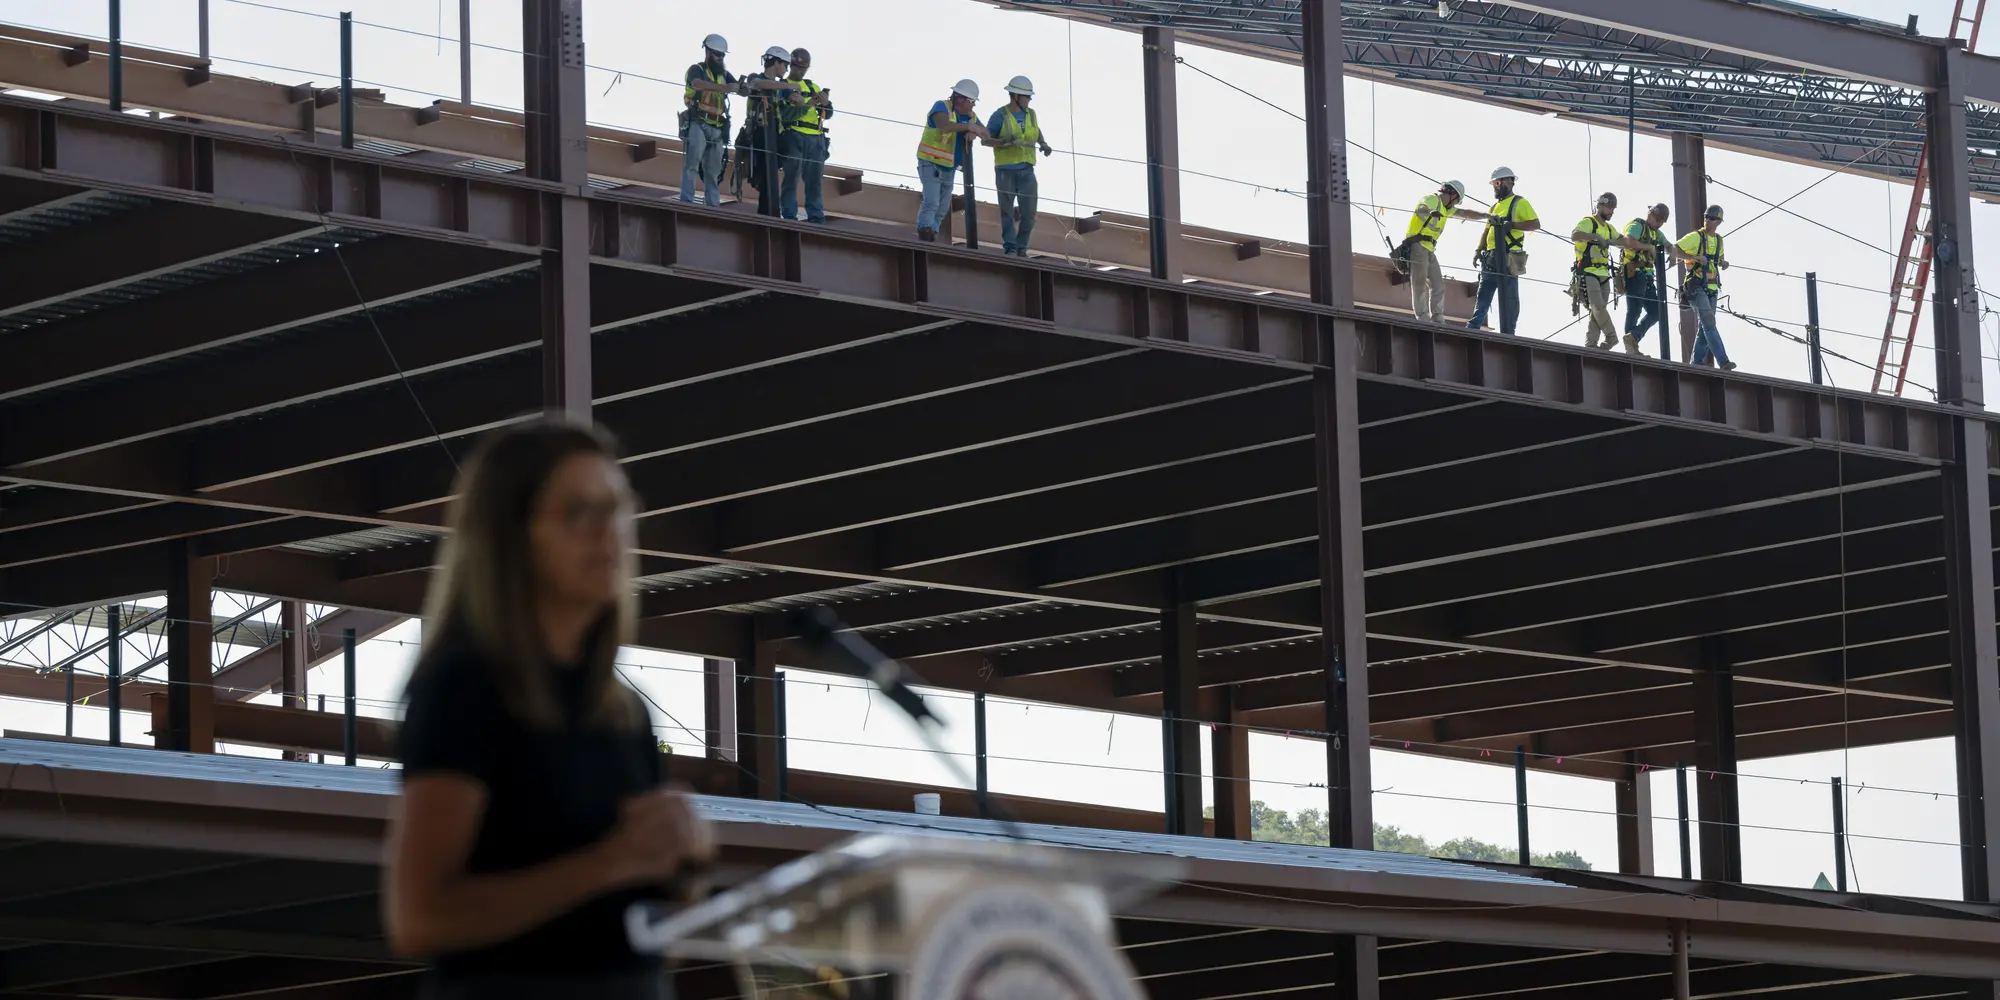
1111, 488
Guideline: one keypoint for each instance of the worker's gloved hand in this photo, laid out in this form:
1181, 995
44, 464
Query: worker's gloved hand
1725, 265
1048, 150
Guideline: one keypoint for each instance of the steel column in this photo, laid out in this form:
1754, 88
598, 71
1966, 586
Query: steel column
757, 716
1953, 287
69, 699
1180, 731
348, 736
346, 80
1634, 795
1163, 153
114, 670
190, 631
718, 702
1230, 747
1687, 842
1839, 836
464, 51
292, 661
783, 763
1690, 205
1525, 857
1679, 942
553, 82
1813, 360
1714, 690
1329, 216
116, 49
201, 28
981, 786
967, 146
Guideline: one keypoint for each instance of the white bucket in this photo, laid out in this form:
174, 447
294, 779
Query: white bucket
927, 803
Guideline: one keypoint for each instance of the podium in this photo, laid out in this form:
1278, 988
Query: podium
901, 917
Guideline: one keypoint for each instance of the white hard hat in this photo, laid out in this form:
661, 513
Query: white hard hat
1458, 186
1504, 174
716, 44
969, 89
780, 53
1021, 85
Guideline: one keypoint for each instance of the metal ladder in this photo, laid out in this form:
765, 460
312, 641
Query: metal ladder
1913, 273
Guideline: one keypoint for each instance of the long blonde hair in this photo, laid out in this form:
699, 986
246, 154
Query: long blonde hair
481, 598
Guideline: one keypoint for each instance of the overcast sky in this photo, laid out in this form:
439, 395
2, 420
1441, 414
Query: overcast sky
887, 60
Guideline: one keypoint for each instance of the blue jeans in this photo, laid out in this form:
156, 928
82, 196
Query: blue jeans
703, 147
1011, 186
1642, 304
801, 159
1707, 340
1494, 280
937, 194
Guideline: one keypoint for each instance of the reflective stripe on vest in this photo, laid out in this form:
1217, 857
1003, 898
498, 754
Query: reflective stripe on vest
1593, 258
712, 106
1516, 239
808, 120
1427, 227
1011, 132
936, 146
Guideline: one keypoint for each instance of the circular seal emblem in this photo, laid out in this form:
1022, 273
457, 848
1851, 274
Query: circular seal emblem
1014, 942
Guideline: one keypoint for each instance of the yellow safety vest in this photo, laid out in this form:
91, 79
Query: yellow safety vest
938, 147
711, 106
1641, 261
1708, 251
1428, 227
1591, 258
808, 120
1508, 210
1017, 145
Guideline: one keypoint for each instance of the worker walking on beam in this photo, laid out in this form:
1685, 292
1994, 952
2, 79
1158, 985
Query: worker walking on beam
705, 120
941, 149
1016, 135
1639, 274
1702, 286
1590, 277
1503, 253
802, 148
1427, 286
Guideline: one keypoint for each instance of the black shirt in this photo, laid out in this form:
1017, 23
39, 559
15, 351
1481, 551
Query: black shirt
548, 794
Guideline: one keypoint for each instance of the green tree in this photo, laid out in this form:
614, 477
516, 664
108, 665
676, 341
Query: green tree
1309, 827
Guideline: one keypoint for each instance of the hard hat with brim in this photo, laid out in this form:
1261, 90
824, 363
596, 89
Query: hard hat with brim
716, 44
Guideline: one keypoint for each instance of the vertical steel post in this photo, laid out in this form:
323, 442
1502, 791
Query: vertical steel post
718, 702
1714, 689
292, 661
982, 788
1687, 846
1839, 836
69, 699
1690, 205
1682, 986
190, 632
1664, 328
1180, 728
116, 47
1631, 119
464, 51
1521, 802
1163, 153
1231, 742
347, 727
201, 28
558, 150
114, 664
322, 711
1812, 327
783, 740
1634, 797
756, 715
966, 147
769, 199
1329, 221
346, 80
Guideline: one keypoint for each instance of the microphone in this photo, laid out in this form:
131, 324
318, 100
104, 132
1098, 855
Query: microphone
851, 654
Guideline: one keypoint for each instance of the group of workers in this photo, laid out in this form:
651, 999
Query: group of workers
1015, 135
1595, 279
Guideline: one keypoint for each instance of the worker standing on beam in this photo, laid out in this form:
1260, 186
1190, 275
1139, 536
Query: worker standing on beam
1016, 134
1594, 237
767, 105
1640, 271
802, 148
705, 120
941, 150
1503, 254
1427, 286
1702, 285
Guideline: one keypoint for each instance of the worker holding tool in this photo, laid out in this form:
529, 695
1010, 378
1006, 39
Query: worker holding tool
1639, 274
1590, 273
1016, 135
802, 146
705, 120
761, 126
1503, 254
941, 149
1702, 285
1419, 249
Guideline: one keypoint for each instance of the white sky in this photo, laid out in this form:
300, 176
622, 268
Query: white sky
886, 60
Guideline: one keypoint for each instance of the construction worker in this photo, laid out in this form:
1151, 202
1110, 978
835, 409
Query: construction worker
705, 120
1702, 249
1016, 134
762, 123
1590, 278
802, 147
1420, 248
1641, 268
1503, 254
941, 149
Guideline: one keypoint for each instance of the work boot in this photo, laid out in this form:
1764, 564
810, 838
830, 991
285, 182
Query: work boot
1729, 366
1631, 344
927, 235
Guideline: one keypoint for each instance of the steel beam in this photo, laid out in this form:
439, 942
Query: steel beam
1181, 726
190, 683
1690, 206
1163, 153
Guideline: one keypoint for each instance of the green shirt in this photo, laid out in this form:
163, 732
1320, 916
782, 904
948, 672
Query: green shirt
1643, 262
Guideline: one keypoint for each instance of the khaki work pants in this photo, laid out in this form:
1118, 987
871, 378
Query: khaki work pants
1426, 284
1597, 298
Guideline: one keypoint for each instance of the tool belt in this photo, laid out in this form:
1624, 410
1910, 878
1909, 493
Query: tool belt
1404, 251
